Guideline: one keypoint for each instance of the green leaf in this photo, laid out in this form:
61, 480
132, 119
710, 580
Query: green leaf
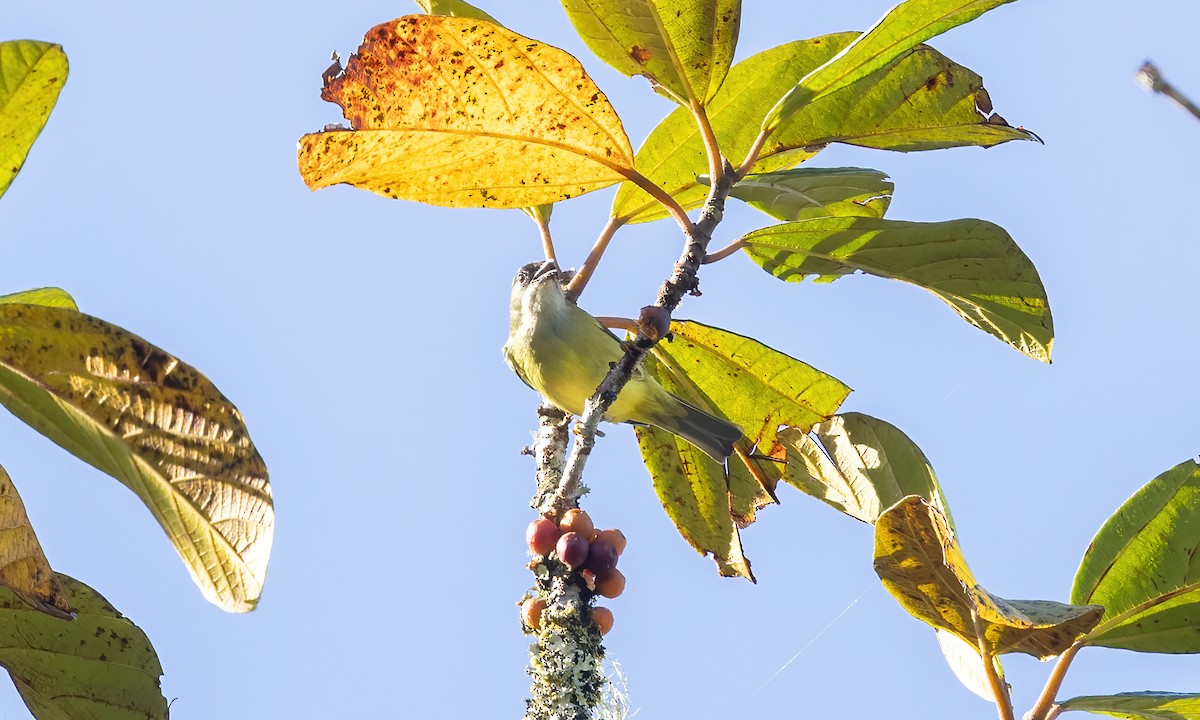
1139, 705
971, 265
455, 8
49, 297
24, 569
861, 466
1141, 568
921, 101
903, 27
684, 47
31, 75
157, 425
100, 666
691, 488
920, 563
750, 384
806, 193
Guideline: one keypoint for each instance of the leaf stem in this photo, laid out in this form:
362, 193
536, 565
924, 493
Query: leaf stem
544, 230
724, 252
618, 323
1044, 708
575, 287
664, 198
716, 163
999, 687
752, 155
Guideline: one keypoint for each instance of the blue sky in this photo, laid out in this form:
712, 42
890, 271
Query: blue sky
360, 337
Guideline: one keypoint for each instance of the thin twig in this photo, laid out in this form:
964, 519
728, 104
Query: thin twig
579, 281
1044, 708
1151, 78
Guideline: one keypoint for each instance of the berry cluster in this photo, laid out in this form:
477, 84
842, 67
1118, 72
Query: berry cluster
575, 542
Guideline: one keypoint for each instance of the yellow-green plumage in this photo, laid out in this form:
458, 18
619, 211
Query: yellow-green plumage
564, 353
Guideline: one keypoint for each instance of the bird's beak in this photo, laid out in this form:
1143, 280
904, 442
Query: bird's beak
547, 267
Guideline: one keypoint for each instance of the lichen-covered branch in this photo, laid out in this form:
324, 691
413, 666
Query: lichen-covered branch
549, 449
565, 659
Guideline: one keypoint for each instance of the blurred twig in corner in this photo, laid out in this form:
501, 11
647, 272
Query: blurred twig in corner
1150, 78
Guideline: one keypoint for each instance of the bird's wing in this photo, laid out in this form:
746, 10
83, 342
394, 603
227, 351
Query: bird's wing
516, 367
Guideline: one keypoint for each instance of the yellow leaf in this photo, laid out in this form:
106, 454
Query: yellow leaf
23, 565
157, 425
920, 563
462, 113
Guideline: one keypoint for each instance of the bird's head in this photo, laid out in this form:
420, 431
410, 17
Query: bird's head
536, 288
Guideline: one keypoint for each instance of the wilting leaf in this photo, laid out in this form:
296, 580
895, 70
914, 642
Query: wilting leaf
455, 8
31, 75
684, 47
806, 193
971, 265
967, 664
460, 112
1139, 705
755, 387
921, 565
1141, 568
860, 465
921, 101
903, 27
23, 566
692, 489
50, 297
157, 425
98, 666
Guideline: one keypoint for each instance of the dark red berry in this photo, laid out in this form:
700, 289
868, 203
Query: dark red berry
572, 549
602, 557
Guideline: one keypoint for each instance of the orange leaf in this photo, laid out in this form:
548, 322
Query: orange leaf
460, 112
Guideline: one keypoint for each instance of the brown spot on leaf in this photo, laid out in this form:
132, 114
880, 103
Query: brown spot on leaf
640, 55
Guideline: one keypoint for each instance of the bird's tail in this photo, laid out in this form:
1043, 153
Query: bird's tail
714, 435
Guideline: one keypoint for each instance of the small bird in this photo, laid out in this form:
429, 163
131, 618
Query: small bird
564, 353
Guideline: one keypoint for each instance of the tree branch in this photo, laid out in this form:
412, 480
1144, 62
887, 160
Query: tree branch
1151, 78
565, 660
683, 280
